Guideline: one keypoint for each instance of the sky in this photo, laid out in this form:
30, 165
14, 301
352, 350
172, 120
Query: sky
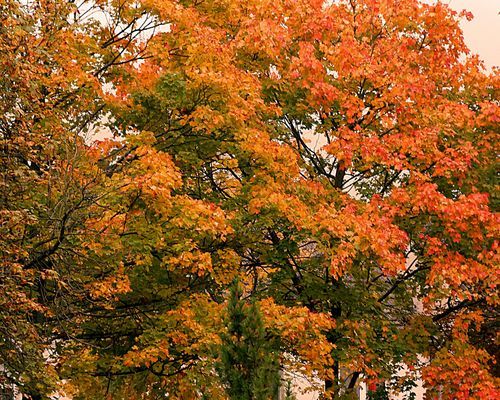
482, 34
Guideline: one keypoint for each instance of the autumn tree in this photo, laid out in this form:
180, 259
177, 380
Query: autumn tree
345, 142
338, 157
54, 60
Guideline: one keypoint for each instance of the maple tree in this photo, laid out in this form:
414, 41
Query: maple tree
338, 158
40, 194
53, 63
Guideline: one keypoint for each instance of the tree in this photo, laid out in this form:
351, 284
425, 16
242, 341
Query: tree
54, 60
337, 157
249, 361
43, 198
364, 226
289, 395
385, 210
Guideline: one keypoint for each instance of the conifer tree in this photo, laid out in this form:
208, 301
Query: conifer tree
249, 363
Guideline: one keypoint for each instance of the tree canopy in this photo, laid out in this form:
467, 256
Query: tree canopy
337, 158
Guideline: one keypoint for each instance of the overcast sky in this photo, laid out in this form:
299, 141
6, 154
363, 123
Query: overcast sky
482, 34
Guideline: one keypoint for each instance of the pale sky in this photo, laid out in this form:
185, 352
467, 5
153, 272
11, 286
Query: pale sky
482, 34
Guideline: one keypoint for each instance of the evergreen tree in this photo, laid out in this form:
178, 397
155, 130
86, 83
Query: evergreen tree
249, 363
289, 395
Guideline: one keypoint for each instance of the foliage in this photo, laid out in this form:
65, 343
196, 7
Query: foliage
337, 158
249, 361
